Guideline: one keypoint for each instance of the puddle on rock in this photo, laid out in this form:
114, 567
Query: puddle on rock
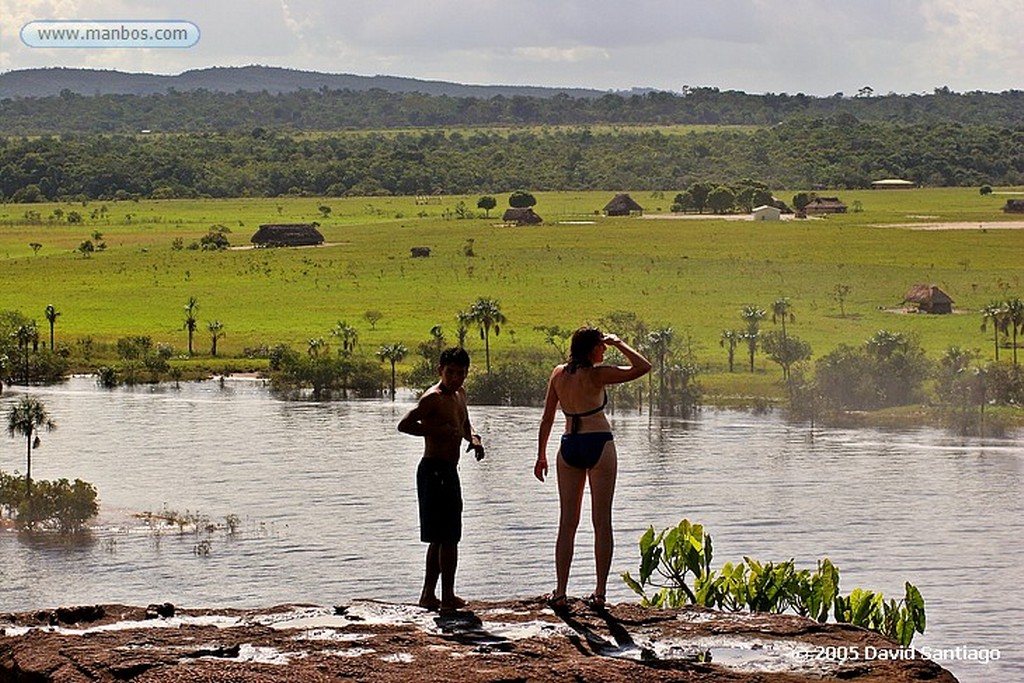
736, 654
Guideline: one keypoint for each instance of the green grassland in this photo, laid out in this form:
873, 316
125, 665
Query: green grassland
693, 275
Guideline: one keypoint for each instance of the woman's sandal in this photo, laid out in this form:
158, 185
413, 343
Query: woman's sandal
595, 601
558, 603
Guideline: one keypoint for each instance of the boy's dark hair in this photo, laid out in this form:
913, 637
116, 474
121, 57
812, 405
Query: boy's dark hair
456, 356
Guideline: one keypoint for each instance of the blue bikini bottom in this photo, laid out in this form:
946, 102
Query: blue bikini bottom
583, 450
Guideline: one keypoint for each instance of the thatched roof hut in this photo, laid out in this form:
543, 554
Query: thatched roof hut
287, 235
623, 205
521, 216
825, 205
929, 299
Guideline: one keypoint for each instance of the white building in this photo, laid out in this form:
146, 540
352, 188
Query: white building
767, 213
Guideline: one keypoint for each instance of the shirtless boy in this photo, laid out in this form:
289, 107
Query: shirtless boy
442, 419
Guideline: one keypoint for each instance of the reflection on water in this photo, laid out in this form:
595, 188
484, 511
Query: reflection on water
326, 496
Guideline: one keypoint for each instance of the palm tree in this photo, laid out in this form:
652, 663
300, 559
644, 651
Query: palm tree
216, 329
393, 353
996, 314
348, 335
464, 318
752, 316
26, 334
433, 348
190, 323
487, 314
659, 345
26, 418
730, 340
316, 347
1015, 321
782, 309
51, 315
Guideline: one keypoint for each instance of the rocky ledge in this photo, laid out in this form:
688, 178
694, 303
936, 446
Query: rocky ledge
518, 640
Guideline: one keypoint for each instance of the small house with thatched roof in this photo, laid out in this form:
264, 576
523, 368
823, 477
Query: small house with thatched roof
1014, 206
825, 205
929, 299
521, 216
287, 235
623, 205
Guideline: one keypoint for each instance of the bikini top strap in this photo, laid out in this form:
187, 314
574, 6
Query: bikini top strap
587, 413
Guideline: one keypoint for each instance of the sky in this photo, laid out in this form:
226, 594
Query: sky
816, 47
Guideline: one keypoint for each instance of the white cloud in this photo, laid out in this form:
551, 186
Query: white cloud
812, 46
562, 54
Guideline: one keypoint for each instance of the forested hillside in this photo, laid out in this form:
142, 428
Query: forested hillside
206, 110
52, 81
833, 152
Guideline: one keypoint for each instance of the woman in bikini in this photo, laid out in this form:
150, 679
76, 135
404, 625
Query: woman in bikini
587, 449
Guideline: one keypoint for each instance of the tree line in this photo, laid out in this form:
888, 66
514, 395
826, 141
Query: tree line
887, 370
835, 152
325, 109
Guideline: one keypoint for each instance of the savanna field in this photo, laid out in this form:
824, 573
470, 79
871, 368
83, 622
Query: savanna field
691, 274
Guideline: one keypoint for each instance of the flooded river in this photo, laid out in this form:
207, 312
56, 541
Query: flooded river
324, 494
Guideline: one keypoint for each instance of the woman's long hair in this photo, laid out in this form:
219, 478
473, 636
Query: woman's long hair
584, 340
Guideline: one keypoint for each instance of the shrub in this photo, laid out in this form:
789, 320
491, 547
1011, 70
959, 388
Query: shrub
325, 377
888, 370
215, 240
54, 505
48, 366
511, 384
106, 377
133, 348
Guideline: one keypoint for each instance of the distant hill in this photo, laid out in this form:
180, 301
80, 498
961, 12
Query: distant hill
51, 81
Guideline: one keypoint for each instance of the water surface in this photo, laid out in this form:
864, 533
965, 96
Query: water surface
325, 492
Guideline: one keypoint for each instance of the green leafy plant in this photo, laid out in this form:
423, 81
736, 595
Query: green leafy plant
897, 619
674, 555
677, 563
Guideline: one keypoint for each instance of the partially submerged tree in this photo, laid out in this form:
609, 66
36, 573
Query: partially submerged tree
26, 335
393, 353
26, 418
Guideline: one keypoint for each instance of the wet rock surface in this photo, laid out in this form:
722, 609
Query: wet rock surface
518, 640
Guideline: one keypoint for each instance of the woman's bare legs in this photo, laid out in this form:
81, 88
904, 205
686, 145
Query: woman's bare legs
570, 499
602, 491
